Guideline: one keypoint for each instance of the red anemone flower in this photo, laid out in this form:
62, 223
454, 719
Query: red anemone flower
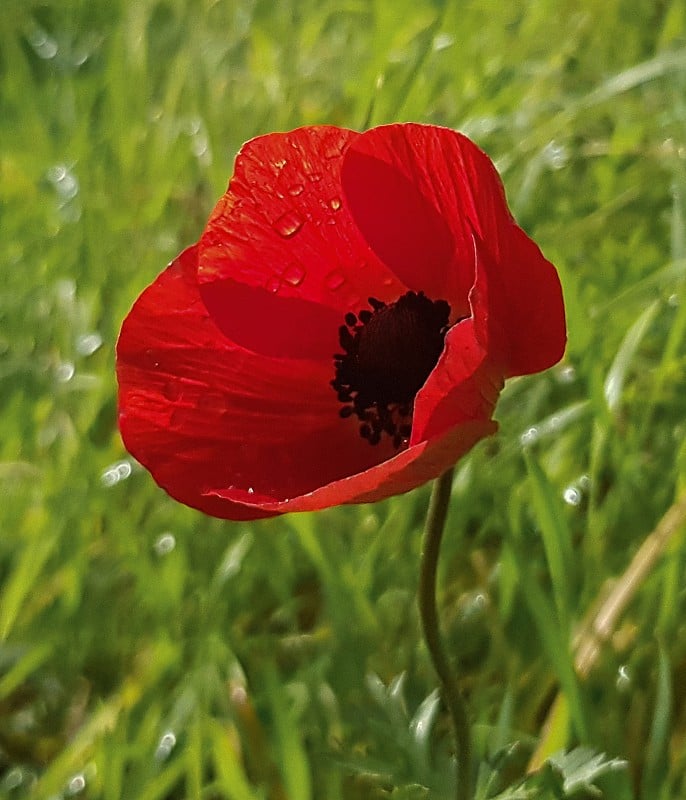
342, 329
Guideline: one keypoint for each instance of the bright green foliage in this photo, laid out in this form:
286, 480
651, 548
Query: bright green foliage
149, 653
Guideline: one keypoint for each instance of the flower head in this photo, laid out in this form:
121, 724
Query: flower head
342, 329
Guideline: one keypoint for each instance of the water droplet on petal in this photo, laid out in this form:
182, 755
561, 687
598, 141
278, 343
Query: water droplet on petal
334, 280
273, 284
315, 177
288, 224
151, 359
335, 203
172, 390
333, 151
294, 275
280, 163
296, 189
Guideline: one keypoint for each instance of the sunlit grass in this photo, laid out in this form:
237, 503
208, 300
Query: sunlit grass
149, 652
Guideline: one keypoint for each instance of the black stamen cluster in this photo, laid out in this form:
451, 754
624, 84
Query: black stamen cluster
389, 352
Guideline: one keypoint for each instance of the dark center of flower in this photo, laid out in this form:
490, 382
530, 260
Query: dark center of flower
389, 353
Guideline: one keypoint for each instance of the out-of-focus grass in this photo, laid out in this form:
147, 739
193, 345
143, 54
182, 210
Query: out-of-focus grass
148, 652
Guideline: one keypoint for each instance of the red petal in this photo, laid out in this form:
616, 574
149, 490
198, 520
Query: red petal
271, 325
463, 387
421, 194
409, 469
284, 230
519, 311
536, 326
438, 187
202, 413
385, 188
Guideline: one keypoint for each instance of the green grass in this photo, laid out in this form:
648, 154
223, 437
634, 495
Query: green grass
148, 652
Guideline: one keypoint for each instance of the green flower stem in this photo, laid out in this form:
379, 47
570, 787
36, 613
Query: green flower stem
433, 533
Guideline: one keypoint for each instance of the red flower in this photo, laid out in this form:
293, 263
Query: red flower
342, 329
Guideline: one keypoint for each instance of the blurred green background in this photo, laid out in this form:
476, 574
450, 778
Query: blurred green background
149, 652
